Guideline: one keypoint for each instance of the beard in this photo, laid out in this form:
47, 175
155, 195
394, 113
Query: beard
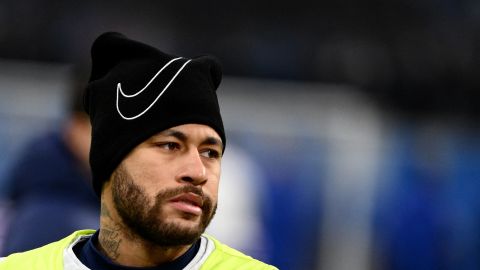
150, 222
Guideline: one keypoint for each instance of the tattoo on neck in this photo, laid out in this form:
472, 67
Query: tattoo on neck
110, 240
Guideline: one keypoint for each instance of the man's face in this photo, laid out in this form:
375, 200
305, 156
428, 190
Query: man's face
166, 189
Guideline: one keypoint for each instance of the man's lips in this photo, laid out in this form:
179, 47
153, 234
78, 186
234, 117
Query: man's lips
188, 202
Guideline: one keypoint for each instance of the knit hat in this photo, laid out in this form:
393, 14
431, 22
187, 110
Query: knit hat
136, 91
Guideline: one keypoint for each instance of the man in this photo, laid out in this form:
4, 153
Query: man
157, 143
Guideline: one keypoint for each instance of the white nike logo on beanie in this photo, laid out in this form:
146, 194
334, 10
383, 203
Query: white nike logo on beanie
120, 92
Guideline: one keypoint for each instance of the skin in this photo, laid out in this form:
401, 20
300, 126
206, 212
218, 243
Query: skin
185, 159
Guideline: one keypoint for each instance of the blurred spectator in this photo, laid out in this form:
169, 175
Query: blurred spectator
48, 185
428, 216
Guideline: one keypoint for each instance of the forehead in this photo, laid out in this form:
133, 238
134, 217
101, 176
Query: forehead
190, 131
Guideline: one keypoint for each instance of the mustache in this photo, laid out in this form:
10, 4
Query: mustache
208, 206
172, 192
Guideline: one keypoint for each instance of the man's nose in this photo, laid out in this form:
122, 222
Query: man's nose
193, 170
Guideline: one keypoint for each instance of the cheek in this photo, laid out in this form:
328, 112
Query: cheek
212, 186
151, 176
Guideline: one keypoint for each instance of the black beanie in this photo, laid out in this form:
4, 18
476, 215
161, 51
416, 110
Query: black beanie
136, 91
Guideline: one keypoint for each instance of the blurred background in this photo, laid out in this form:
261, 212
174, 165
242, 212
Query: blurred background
353, 126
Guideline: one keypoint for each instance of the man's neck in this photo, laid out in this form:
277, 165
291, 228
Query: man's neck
135, 253
125, 248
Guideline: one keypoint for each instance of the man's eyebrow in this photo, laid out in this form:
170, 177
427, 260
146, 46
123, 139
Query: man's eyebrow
213, 141
183, 137
175, 133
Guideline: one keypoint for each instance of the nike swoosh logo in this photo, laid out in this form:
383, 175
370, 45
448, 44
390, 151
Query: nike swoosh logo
120, 91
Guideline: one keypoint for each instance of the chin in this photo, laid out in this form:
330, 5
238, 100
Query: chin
186, 224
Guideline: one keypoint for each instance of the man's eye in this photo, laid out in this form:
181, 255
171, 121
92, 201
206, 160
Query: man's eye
169, 146
210, 153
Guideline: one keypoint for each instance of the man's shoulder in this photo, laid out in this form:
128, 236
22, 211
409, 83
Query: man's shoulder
49, 256
230, 258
